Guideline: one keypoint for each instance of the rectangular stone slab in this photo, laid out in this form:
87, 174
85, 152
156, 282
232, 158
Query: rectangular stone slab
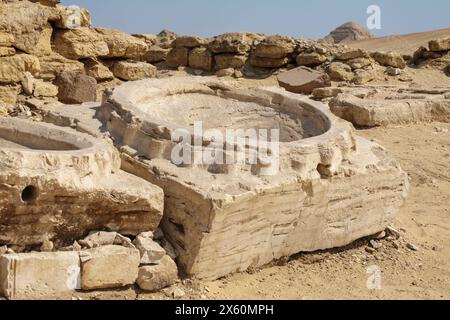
39, 275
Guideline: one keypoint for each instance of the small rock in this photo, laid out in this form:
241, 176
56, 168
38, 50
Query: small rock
375, 244
380, 235
47, 246
370, 249
440, 130
412, 247
156, 277
178, 293
393, 71
151, 252
393, 232
3, 250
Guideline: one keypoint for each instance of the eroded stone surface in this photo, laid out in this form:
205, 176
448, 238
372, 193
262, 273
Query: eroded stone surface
39, 275
223, 219
402, 106
109, 267
58, 184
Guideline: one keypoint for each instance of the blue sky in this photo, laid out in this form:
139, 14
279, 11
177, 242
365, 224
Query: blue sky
306, 18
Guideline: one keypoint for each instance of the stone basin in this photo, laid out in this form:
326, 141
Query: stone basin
58, 184
329, 188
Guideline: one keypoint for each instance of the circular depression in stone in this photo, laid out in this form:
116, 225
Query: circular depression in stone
26, 135
222, 113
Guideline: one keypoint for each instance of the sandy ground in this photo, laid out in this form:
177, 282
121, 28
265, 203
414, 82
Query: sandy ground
404, 44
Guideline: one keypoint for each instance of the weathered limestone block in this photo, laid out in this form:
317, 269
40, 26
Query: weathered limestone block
52, 275
188, 42
326, 188
310, 59
225, 61
6, 39
55, 63
359, 63
76, 88
109, 267
131, 70
12, 68
268, 62
28, 23
58, 184
439, 45
38, 87
80, 43
156, 54
178, 57
7, 51
275, 47
151, 252
352, 54
156, 277
235, 43
9, 93
201, 58
371, 112
339, 71
389, 59
303, 80
122, 45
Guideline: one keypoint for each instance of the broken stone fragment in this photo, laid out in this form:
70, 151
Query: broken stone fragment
76, 88
151, 252
105, 238
303, 80
39, 275
156, 277
28, 23
109, 267
131, 70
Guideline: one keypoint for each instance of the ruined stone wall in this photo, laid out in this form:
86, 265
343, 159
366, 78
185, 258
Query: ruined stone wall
38, 44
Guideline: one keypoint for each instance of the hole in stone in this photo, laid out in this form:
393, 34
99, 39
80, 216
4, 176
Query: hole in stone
29, 194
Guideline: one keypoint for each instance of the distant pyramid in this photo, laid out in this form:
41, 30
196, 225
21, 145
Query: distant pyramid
349, 31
